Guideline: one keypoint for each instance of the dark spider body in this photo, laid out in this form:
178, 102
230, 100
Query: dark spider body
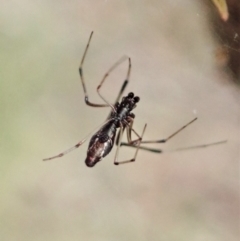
102, 142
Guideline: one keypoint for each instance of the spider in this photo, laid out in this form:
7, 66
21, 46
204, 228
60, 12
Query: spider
121, 118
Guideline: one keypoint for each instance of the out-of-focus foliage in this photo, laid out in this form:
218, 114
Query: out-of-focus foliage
222, 8
226, 28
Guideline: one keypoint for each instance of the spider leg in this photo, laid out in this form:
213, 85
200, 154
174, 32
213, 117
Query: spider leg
159, 151
156, 150
172, 135
165, 139
76, 145
128, 131
83, 81
138, 141
67, 151
105, 76
157, 141
121, 60
125, 83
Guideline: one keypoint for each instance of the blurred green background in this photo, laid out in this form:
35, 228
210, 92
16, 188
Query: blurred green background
191, 195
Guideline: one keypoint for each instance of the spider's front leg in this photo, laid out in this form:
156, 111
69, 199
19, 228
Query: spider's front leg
136, 143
